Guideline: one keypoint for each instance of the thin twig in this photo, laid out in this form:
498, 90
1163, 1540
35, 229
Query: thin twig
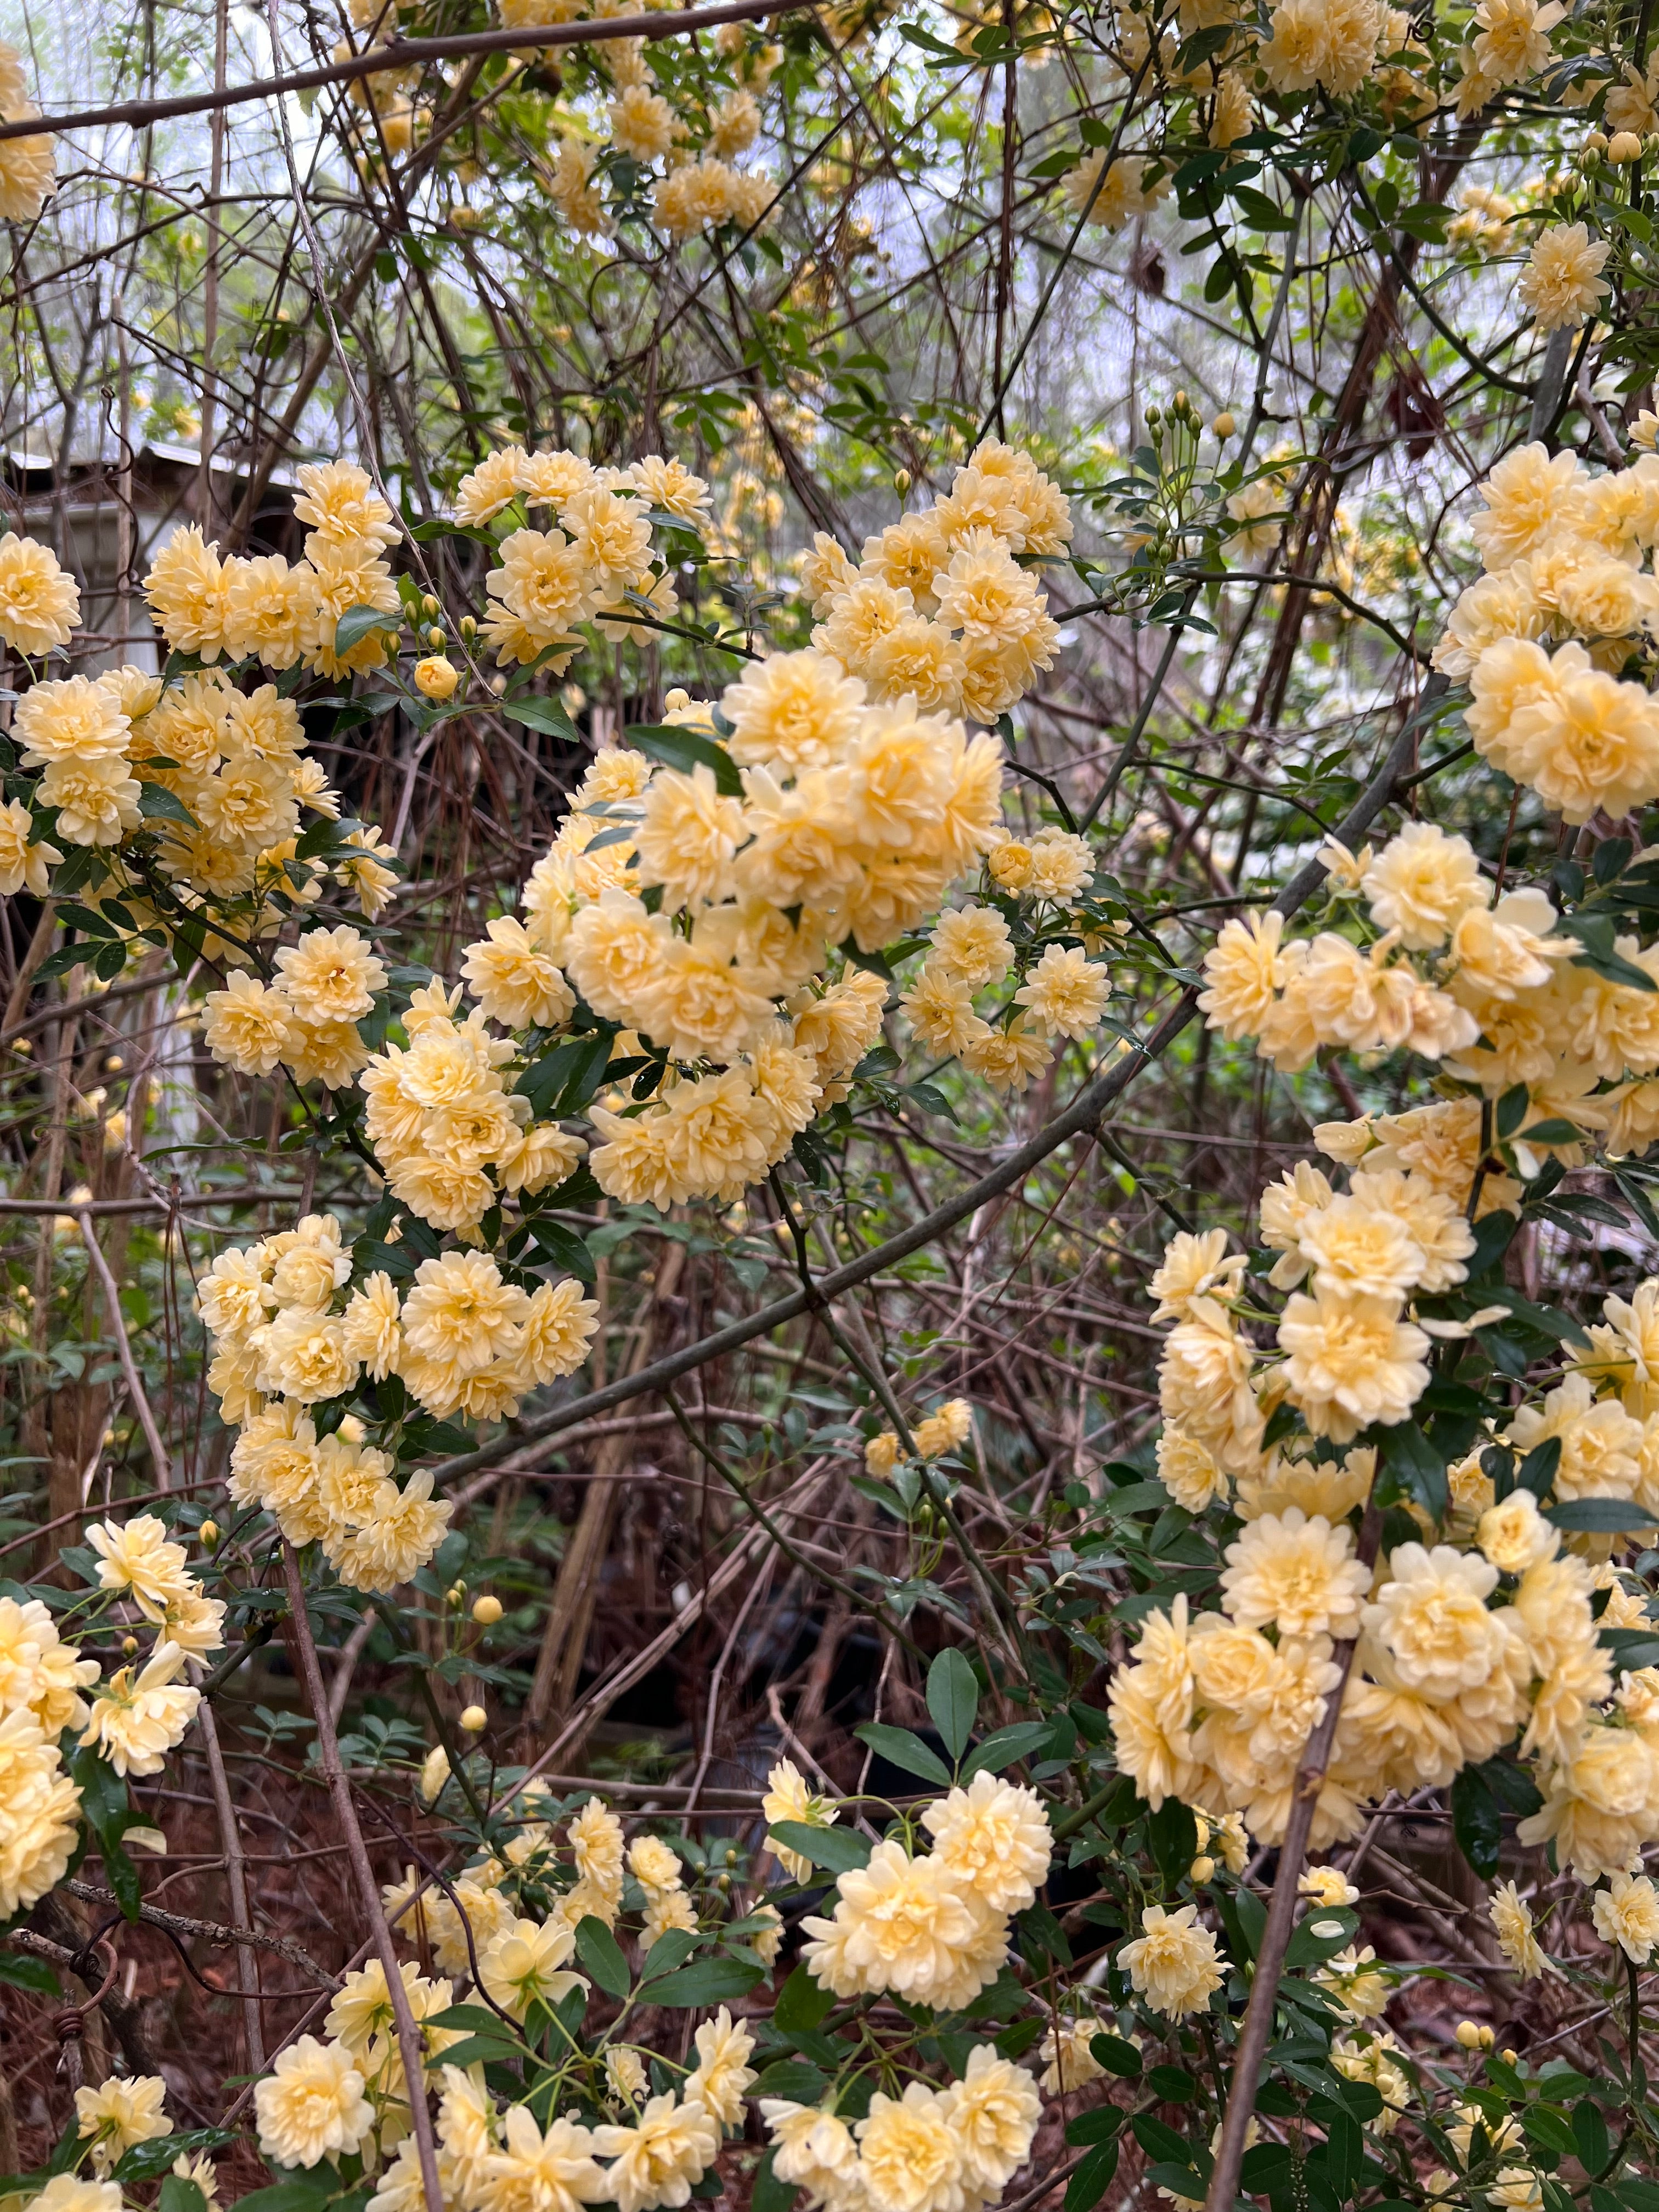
345, 1813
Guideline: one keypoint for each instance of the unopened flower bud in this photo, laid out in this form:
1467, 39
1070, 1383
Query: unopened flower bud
429, 605
1203, 1868
474, 1720
129, 1646
456, 1596
486, 1610
437, 677
1624, 146
1595, 144
1468, 2034
901, 481
1224, 426
435, 638
468, 628
208, 1532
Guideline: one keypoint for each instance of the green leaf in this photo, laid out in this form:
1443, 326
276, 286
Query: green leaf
1005, 1748
1308, 1947
600, 1952
669, 1950
1550, 2130
1603, 1516
1171, 2085
474, 2016
18, 1972
179, 2195
803, 2005
145, 2161
1345, 2153
1418, 1465
299, 2195
1590, 2132
545, 715
1099, 2126
1476, 1822
1093, 2179
838, 1849
1158, 2140
1174, 1835
953, 1699
686, 749
798, 2079
705, 1982
563, 1081
901, 1748
1555, 1130
356, 623
1511, 1111
564, 1248
1632, 1648
1252, 1917
157, 803
769, 2194
1116, 2056
485, 2050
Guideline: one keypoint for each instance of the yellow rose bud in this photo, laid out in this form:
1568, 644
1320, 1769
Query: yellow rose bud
486, 1610
1624, 146
436, 676
208, 1532
1468, 2034
429, 605
474, 1720
1010, 865
1203, 1868
902, 481
1224, 425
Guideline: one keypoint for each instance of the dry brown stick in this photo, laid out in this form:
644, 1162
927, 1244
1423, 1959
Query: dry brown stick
211, 1931
247, 1958
339, 1791
407, 53
101, 1207
36, 953
230, 1834
160, 1459
1281, 1915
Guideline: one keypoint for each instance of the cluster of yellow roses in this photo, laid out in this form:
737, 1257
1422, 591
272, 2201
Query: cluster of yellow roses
134, 1717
